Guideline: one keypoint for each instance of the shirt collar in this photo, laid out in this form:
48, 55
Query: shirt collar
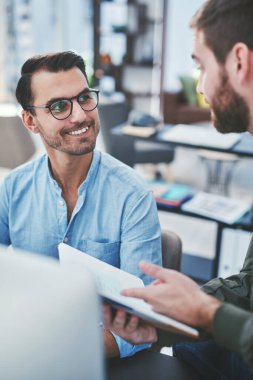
91, 173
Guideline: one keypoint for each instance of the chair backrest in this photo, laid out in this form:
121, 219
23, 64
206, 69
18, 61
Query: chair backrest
171, 259
16, 144
171, 250
111, 115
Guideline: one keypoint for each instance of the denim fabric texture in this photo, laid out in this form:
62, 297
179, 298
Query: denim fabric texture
213, 362
115, 218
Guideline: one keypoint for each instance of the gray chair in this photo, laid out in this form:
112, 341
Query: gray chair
16, 144
171, 259
126, 149
171, 250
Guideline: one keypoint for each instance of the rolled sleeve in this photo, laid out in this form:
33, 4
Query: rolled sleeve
127, 349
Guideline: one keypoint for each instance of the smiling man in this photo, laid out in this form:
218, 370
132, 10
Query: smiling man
74, 193
223, 308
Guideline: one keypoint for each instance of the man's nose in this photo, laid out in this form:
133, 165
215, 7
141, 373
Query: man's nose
78, 114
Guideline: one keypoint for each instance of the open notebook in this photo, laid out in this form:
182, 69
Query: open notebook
110, 282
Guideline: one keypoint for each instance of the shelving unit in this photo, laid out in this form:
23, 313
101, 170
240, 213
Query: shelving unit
128, 49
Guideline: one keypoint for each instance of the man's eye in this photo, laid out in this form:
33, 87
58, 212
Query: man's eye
59, 106
84, 98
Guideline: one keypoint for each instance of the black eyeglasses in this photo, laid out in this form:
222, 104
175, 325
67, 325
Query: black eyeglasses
62, 108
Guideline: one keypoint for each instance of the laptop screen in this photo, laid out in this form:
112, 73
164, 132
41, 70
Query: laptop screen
49, 321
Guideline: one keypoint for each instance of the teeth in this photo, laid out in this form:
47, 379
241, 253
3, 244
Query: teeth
79, 132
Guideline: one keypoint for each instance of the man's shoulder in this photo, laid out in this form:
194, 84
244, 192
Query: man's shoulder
122, 173
27, 170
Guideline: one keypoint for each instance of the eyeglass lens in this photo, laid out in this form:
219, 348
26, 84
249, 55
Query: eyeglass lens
61, 109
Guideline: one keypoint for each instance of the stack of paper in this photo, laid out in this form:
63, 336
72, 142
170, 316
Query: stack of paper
217, 207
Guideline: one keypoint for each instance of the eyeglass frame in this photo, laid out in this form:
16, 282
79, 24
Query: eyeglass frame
87, 90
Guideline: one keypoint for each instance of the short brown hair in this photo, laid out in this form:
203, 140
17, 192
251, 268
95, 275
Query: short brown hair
224, 23
52, 62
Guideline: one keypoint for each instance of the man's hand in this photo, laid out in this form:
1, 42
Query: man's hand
177, 296
131, 329
111, 347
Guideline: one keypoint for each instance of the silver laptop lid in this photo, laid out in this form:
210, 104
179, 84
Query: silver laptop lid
49, 321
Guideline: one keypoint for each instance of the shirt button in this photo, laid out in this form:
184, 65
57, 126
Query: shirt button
65, 240
61, 202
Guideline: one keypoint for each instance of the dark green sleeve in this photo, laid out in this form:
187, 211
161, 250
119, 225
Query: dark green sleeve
233, 321
166, 338
233, 329
236, 289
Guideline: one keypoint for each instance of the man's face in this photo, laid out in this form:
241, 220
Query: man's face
229, 110
76, 135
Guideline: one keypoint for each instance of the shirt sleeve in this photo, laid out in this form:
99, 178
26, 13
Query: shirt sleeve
4, 215
140, 240
140, 236
236, 289
235, 315
233, 329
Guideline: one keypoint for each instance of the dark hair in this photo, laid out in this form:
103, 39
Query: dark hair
52, 62
224, 23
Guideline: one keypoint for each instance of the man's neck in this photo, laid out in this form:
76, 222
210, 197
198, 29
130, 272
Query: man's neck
70, 171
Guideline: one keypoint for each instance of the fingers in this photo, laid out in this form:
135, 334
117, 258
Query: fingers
135, 292
131, 324
107, 316
155, 271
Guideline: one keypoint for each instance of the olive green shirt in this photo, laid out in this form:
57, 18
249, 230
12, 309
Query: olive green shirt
233, 321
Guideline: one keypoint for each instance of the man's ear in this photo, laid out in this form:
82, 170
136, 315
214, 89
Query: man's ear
240, 61
29, 121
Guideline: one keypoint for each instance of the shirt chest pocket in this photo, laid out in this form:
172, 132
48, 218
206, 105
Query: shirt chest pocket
107, 252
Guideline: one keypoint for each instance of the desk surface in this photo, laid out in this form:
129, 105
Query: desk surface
243, 148
149, 365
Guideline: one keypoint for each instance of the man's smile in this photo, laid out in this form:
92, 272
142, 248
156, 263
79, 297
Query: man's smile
78, 131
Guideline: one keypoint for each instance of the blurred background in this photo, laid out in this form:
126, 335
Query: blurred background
138, 53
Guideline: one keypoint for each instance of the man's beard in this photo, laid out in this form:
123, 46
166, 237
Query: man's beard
58, 142
230, 112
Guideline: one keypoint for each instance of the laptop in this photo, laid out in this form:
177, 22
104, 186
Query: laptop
49, 321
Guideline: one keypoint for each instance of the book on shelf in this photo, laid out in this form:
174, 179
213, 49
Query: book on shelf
111, 280
217, 207
139, 131
170, 194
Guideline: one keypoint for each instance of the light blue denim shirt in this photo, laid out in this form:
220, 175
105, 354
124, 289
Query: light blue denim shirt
115, 217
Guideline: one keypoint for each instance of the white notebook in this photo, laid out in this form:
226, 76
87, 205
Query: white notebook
110, 282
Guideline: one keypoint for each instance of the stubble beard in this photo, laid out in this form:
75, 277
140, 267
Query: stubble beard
59, 142
230, 112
